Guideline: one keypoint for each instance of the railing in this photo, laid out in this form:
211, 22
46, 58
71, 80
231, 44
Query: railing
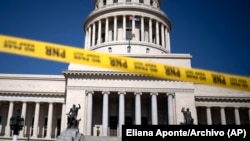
128, 4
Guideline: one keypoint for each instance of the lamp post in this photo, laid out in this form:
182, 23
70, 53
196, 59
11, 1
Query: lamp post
16, 124
130, 38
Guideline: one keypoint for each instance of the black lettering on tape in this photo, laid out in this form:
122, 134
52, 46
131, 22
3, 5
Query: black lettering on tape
80, 56
238, 82
201, 75
12, 45
152, 67
118, 62
218, 79
139, 66
94, 58
27, 47
145, 67
172, 71
190, 74
57, 52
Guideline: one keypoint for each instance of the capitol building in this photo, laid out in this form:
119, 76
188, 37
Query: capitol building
111, 98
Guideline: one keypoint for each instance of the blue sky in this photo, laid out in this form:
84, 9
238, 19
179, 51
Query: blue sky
216, 33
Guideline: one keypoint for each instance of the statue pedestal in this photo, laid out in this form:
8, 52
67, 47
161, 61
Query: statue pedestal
70, 134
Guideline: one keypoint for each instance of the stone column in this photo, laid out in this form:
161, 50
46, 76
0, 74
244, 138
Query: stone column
10, 113
142, 29
167, 40
162, 36
237, 116
106, 30
115, 28
23, 115
209, 117
223, 116
93, 35
89, 112
150, 30
99, 31
105, 113
36, 120
63, 118
121, 111
124, 27
49, 125
101, 4
157, 32
89, 37
133, 29
137, 108
86, 39
170, 108
154, 109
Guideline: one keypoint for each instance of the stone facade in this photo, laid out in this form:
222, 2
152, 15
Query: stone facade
110, 98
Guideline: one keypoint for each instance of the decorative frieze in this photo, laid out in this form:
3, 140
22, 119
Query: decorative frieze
129, 89
223, 99
23, 93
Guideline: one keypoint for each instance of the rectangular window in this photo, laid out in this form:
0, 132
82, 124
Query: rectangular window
104, 2
128, 34
115, 1
128, 0
141, 1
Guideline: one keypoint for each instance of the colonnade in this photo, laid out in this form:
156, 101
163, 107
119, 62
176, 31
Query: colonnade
121, 116
117, 28
218, 115
32, 122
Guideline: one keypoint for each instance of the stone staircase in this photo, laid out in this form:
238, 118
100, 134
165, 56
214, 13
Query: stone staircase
100, 138
74, 135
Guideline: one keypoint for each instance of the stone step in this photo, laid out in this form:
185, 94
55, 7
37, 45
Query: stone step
100, 138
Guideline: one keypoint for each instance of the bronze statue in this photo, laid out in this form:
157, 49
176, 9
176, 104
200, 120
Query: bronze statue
187, 117
72, 117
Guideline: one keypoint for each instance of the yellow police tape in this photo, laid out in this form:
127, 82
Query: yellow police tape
69, 54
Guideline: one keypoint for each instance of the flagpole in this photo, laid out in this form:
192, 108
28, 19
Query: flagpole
131, 35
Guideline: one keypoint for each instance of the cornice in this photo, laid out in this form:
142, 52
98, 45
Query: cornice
103, 73
223, 99
19, 93
129, 89
32, 77
69, 72
111, 75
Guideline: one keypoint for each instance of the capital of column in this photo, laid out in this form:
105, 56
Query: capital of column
89, 92
153, 93
137, 93
124, 93
171, 94
105, 92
